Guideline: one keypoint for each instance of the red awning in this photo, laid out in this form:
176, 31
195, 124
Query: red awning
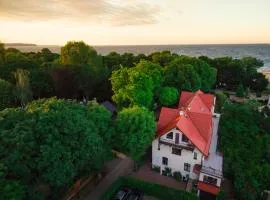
208, 188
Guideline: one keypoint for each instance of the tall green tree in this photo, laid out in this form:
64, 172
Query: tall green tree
2, 53
6, 94
52, 143
22, 91
168, 96
240, 91
243, 139
137, 85
181, 76
87, 64
41, 83
77, 53
135, 130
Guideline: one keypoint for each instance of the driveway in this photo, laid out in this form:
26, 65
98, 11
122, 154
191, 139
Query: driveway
146, 173
123, 168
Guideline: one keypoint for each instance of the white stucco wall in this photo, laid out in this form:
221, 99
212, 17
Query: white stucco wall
203, 174
175, 162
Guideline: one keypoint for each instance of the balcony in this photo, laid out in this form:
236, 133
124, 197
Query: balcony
186, 146
211, 171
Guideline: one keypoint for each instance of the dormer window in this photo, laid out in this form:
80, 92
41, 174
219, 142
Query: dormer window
184, 138
169, 135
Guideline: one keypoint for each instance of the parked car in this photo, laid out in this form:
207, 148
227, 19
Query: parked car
136, 195
123, 194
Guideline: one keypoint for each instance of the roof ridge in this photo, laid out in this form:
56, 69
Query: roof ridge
198, 95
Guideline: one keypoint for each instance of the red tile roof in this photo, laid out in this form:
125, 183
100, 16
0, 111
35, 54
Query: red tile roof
195, 120
208, 188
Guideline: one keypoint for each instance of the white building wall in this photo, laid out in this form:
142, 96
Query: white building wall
175, 162
203, 174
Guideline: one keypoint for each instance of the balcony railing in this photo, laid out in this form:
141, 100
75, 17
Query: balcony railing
188, 146
211, 171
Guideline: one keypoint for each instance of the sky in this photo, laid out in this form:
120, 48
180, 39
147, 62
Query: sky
135, 22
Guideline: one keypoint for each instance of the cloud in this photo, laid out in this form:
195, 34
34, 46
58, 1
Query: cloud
115, 13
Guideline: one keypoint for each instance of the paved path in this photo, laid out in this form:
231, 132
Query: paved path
145, 173
122, 169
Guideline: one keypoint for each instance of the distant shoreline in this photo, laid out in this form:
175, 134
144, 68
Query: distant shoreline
133, 45
20, 44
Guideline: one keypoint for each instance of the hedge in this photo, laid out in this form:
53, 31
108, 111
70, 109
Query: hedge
152, 189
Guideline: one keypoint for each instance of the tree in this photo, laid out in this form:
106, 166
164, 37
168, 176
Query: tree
181, 76
258, 82
64, 80
77, 53
240, 91
112, 61
102, 118
22, 90
206, 73
87, 65
6, 94
168, 96
52, 142
136, 85
2, 53
162, 58
221, 99
41, 83
243, 138
135, 129
47, 55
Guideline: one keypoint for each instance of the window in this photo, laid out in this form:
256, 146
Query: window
169, 135
184, 138
164, 161
195, 156
176, 151
210, 180
187, 167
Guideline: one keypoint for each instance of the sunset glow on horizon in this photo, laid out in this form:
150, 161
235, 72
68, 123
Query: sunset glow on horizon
135, 22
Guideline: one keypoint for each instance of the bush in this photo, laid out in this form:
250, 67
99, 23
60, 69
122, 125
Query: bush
240, 91
152, 189
168, 96
168, 171
177, 175
221, 195
221, 98
156, 168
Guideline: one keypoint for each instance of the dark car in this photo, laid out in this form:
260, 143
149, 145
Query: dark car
123, 194
135, 195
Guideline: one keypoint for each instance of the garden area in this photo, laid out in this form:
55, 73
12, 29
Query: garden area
149, 189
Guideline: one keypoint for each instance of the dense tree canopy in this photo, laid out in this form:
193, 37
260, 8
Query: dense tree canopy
77, 53
221, 99
135, 129
181, 76
232, 72
240, 91
246, 146
137, 85
168, 96
6, 94
52, 142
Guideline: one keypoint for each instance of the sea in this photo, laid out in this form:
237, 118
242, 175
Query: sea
260, 51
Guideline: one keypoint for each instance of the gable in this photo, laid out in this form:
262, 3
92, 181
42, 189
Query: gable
193, 118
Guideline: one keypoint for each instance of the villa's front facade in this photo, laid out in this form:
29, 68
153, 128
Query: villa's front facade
186, 141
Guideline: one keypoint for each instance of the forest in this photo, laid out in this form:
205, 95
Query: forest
49, 140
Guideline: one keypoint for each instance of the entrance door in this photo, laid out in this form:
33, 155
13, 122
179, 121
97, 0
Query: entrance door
176, 138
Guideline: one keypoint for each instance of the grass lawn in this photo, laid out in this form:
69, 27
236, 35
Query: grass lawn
150, 189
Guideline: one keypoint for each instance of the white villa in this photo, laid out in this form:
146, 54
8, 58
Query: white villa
186, 142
